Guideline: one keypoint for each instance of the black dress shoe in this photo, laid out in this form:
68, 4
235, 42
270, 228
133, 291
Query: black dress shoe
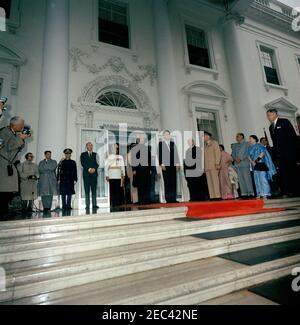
96, 207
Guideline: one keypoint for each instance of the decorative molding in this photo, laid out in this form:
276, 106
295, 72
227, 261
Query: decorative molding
262, 12
282, 104
90, 93
207, 89
116, 64
10, 54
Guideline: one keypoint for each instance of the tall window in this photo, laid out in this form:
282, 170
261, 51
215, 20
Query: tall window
116, 99
270, 67
6, 5
207, 121
197, 47
113, 23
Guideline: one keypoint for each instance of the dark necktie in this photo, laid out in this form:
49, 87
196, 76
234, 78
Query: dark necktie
273, 127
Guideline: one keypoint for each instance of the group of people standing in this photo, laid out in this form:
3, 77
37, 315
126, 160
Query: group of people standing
254, 169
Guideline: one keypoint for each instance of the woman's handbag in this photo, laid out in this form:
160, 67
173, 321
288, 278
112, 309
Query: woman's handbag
261, 167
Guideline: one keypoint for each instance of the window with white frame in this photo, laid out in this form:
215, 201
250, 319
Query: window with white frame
6, 5
198, 49
114, 23
268, 58
208, 122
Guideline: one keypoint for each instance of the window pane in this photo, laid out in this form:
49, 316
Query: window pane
113, 23
272, 76
207, 121
197, 47
116, 99
6, 4
270, 68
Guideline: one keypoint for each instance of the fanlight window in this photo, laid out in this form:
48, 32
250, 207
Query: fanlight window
116, 99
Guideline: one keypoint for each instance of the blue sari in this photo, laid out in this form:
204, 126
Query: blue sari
254, 151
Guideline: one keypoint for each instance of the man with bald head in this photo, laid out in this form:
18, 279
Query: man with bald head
13, 142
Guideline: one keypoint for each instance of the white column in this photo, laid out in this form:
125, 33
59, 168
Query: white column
55, 75
167, 83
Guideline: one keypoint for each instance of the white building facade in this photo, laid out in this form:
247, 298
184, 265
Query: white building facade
77, 68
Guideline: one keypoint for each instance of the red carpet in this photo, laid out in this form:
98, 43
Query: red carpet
222, 209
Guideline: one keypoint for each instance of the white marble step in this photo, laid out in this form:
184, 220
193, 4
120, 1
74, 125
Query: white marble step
111, 252
114, 237
85, 233
31, 227
279, 201
66, 228
108, 291
32, 282
210, 287
283, 203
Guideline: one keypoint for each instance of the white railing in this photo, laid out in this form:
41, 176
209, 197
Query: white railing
265, 3
276, 6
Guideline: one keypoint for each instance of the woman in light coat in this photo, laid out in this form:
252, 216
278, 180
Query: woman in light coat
29, 175
47, 186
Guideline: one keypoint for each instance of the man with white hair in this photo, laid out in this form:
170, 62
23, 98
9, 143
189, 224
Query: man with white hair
13, 142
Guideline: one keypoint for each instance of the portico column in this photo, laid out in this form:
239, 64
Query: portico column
167, 83
55, 73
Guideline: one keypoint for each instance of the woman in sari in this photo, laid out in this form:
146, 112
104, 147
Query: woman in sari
225, 184
263, 167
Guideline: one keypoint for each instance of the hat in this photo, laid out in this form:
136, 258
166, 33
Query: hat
207, 133
68, 151
3, 100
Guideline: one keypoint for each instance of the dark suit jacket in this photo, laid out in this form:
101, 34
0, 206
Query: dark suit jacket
284, 139
87, 163
193, 154
166, 156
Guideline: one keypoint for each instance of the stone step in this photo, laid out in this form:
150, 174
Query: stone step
70, 229
119, 236
210, 287
108, 291
32, 227
283, 203
34, 281
86, 233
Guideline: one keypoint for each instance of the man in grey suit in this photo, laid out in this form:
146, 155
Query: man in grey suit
242, 165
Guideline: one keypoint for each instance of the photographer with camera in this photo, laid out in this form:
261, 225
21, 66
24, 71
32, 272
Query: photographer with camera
13, 137
29, 174
3, 101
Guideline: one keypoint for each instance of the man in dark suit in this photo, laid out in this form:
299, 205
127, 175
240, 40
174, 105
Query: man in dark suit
141, 166
194, 174
169, 164
284, 139
90, 164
